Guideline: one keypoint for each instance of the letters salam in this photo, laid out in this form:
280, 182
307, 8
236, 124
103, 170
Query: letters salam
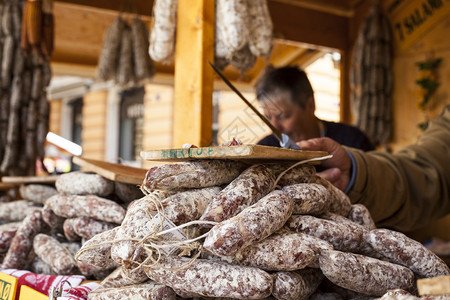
423, 12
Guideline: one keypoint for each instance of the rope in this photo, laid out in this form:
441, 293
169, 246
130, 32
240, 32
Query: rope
300, 163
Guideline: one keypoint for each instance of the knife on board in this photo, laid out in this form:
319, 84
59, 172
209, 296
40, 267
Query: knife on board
285, 141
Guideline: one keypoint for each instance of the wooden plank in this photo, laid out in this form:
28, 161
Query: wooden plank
4, 186
112, 171
193, 75
434, 286
139, 7
241, 152
30, 179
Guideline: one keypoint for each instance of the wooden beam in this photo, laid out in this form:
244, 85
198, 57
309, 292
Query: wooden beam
193, 75
307, 58
330, 6
309, 26
345, 112
139, 7
61, 69
291, 54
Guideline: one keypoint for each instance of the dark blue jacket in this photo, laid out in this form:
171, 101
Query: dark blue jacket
344, 134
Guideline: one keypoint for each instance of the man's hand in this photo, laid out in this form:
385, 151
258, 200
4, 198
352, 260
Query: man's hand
338, 168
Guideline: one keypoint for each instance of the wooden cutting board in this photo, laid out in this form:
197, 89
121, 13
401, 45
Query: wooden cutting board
112, 171
241, 152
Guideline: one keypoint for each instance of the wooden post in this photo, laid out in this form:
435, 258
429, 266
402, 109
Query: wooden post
193, 75
345, 107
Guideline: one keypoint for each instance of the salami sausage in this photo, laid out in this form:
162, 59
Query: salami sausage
71, 206
186, 295
212, 279
51, 219
367, 249
187, 206
97, 250
16, 210
38, 193
114, 280
133, 274
250, 186
339, 202
122, 276
253, 224
242, 59
364, 274
38, 266
54, 254
192, 174
315, 244
364, 247
81, 183
22, 243
7, 233
361, 215
342, 236
292, 176
87, 227
407, 252
142, 217
127, 192
139, 208
296, 285
139, 213
261, 27
99, 273
72, 247
399, 294
284, 251
234, 27
148, 290
69, 231
309, 198
162, 35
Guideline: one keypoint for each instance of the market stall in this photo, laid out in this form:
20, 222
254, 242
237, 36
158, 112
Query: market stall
231, 221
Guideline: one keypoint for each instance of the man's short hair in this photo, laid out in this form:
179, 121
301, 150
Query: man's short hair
288, 80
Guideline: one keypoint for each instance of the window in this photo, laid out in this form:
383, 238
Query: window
131, 125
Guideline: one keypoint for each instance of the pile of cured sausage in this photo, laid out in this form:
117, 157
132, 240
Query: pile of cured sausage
226, 229
43, 231
221, 229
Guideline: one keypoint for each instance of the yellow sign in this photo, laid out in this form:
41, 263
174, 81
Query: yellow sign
8, 285
27, 293
411, 19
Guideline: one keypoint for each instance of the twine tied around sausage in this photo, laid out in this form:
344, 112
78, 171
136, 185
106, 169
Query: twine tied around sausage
155, 241
300, 163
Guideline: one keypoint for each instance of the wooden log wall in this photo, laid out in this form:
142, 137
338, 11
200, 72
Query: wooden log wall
55, 116
158, 118
93, 135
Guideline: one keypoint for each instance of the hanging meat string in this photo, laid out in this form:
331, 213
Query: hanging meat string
26, 46
371, 77
124, 56
243, 31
